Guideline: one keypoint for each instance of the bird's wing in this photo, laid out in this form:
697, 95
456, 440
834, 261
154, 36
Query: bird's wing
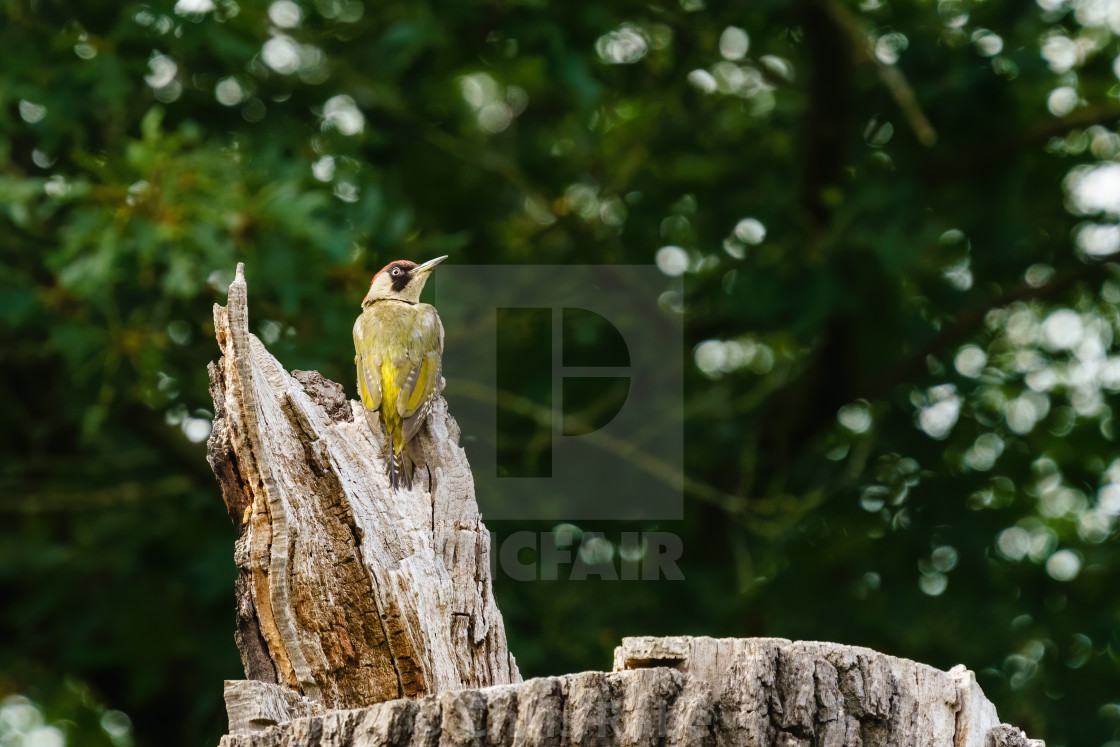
425, 355
368, 362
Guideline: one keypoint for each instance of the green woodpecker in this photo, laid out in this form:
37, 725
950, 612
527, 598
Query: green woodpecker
399, 346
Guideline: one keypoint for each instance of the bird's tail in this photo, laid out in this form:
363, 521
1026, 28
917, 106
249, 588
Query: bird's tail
400, 469
400, 465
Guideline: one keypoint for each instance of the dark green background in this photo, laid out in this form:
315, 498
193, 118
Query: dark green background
530, 132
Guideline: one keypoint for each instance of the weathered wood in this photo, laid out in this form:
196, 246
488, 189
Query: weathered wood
761, 692
253, 705
825, 689
348, 594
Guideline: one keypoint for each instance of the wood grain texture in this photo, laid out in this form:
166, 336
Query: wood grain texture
348, 594
756, 692
253, 705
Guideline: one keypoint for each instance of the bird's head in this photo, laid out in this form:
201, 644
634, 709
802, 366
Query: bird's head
400, 280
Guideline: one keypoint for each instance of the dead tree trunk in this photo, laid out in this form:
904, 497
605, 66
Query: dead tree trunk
366, 618
348, 594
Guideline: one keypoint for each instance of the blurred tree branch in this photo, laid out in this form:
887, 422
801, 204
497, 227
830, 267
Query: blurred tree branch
892, 78
16, 499
486, 159
827, 120
969, 321
1084, 117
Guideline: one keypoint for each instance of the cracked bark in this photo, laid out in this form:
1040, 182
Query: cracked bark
348, 594
367, 618
757, 692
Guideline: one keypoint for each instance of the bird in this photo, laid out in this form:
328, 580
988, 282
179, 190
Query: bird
398, 345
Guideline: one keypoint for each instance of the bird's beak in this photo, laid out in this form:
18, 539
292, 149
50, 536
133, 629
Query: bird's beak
429, 265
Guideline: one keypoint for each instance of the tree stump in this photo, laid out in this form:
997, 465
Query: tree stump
367, 618
684, 692
348, 594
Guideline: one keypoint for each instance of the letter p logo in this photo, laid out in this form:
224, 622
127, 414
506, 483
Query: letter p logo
567, 384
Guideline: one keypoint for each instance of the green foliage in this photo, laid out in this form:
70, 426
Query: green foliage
901, 358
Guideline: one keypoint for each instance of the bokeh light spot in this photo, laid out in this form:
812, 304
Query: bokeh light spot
285, 14
734, 43
1064, 565
672, 260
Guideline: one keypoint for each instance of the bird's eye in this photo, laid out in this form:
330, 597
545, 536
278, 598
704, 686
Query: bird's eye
396, 272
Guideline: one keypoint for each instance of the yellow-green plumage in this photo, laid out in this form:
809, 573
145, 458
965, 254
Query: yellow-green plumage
399, 348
